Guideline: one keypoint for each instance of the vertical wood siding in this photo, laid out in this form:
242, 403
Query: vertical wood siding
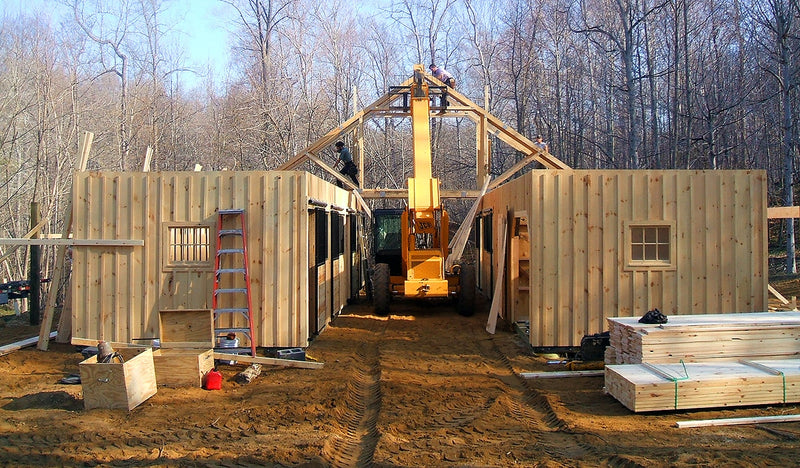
118, 291
577, 222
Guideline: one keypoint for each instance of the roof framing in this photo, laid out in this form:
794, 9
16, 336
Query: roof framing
460, 106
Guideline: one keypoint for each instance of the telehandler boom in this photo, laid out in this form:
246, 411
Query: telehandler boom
411, 243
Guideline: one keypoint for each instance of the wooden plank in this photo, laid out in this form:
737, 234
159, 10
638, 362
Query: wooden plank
737, 421
402, 194
783, 212
64, 329
777, 294
148, 157
459, 241
35, 230
270, 361
561, 374
114, 344
18, 241
499, 287
10, 348
84, 147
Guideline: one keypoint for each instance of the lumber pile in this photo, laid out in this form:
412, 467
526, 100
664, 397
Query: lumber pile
698, 338
660, 387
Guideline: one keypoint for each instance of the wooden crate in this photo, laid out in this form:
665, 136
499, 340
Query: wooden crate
187, 340
182, 367
186, 328
119, 385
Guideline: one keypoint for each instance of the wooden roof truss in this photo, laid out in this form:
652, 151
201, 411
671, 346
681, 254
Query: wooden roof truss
394, 104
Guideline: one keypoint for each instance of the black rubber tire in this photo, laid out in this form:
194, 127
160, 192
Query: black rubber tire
465, 304
381, 289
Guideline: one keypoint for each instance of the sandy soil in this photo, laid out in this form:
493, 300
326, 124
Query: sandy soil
422, 387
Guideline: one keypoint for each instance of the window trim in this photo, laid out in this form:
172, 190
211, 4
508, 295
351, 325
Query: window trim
205, 265
649, 265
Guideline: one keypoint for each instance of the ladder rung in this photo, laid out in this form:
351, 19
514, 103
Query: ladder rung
231, 270
231, 311
231, 212
225, 331
230, 232
230, 251
231, 291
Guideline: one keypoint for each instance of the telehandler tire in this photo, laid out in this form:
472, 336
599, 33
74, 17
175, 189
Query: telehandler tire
381, 289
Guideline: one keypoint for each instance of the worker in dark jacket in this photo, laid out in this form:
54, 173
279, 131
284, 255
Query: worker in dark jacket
349, 168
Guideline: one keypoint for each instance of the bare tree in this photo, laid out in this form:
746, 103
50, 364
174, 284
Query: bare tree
624, 30
779, 18
108, 24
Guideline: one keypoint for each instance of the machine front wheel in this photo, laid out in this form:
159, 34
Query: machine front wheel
381, 289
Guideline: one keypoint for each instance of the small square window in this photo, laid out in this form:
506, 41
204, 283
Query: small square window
649, 245
188, 246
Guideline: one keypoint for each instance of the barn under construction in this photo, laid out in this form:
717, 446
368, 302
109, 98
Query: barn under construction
568, 248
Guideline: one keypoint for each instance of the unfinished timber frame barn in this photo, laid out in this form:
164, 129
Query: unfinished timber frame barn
564, 248
301, 231
585, 245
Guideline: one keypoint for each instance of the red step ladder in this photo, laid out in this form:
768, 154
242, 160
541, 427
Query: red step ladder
230, 299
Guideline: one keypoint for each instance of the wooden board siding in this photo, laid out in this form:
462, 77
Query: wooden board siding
118, 291
577, 226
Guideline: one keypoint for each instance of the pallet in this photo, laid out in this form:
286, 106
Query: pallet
663, 387
697, 338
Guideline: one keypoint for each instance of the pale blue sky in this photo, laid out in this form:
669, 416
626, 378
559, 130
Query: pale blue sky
201, 27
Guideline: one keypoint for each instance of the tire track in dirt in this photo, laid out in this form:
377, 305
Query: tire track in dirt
445, 405
540, 403
362, 405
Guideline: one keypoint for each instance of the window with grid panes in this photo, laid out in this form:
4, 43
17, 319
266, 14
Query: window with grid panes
188, 246
650, 245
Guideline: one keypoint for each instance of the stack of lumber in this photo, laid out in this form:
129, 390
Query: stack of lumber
698, 338
660, 387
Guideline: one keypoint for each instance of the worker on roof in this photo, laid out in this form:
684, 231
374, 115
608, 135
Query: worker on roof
349, 168
539, 143
443, 75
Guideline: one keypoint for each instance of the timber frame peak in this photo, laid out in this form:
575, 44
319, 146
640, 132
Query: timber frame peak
395, 104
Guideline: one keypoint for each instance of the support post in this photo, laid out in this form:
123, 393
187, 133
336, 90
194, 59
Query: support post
499, 286
34, 272
84, 146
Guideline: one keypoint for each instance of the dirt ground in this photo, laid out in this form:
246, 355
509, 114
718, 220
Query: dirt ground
422, 387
